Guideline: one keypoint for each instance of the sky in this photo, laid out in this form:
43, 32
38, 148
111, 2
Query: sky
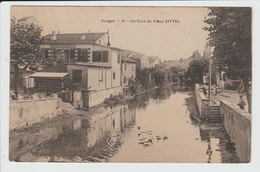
168, 41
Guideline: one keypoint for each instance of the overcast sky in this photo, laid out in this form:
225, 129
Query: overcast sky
169, 41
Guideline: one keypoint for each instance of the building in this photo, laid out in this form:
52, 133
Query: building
153, 60
128, 70
28, 20
162, 66
92, 65
141, 59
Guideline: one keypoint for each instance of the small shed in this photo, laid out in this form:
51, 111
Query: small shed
50, 81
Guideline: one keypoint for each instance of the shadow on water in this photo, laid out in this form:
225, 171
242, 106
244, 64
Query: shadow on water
86, 140
101, 136
211, 133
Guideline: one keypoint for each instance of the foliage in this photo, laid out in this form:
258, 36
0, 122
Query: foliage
197, 68
196, 55
160, 77
25, 47
142, 76
230, 34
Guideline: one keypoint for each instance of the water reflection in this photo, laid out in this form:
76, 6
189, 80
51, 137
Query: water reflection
94, 139
113, 135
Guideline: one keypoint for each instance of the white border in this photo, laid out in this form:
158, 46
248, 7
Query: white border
4, 101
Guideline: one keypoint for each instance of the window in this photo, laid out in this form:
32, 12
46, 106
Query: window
85, 55
114, 75
72, 54
132, 68
118, 57
100, 56
125, 80
125, 66
77, 76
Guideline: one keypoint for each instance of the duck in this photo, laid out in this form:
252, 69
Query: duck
165, 137
149, 132
158, 137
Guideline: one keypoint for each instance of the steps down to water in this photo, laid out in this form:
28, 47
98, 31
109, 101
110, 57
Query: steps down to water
215, 114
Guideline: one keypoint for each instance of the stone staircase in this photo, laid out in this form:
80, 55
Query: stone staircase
215, 114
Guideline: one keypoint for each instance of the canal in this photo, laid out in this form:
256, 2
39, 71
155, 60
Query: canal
167, 118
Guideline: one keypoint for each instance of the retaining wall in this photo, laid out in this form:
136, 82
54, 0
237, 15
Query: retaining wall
97, 97
238, 125
26, 112
203, 103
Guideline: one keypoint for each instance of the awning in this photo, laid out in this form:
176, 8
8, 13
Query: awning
48, 75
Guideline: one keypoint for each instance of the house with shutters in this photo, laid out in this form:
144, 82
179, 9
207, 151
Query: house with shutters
92, 65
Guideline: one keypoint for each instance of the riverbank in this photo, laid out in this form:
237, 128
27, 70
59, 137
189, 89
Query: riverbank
69, 114
211, 132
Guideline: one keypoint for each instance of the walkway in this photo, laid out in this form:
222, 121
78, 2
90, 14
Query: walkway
231, 96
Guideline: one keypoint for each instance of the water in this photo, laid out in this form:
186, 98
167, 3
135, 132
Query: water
107, 137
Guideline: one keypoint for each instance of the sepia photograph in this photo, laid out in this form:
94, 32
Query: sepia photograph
130, 84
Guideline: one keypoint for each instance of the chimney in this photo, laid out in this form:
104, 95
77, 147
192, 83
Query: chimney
108, 43
53, 36
88, 31
58, 32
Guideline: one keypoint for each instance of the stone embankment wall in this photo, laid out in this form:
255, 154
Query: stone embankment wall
96, 97
238, 125
203, 103
26, 112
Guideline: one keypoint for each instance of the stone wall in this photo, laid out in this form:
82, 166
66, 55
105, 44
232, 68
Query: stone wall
238, 125
97, 97
26, 112
202, 102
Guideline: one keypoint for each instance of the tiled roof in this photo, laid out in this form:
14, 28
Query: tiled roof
56, 68
136, 56
24, 18
128, 60
152, 58
73, 38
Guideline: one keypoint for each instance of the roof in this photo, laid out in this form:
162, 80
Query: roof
73, 38
161, 65
92, 64
152, 58
128, 60
136, 56
48, 75
56, 68
24, 18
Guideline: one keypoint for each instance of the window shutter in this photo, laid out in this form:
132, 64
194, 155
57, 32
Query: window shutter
80, 55
94, 56
105, 56
88, 55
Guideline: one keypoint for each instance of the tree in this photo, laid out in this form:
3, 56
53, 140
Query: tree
196, 55
160, 77
142, 76
25, 48
230, 34
197, 68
